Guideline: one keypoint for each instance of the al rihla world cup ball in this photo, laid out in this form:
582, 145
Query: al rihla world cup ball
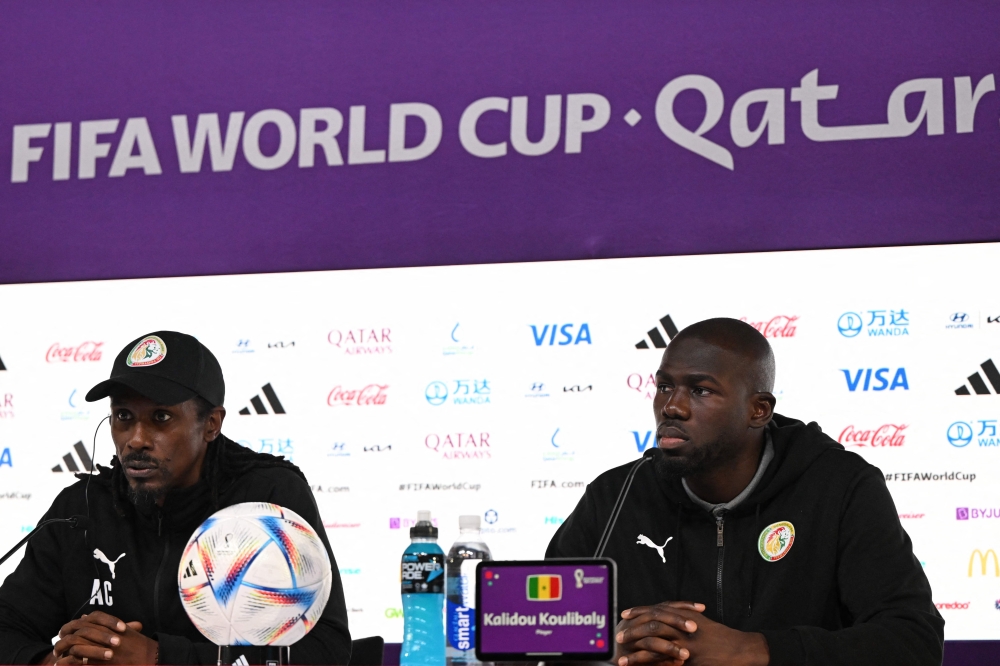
254, 574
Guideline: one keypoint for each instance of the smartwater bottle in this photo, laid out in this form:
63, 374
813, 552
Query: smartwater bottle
422, 575
463, 557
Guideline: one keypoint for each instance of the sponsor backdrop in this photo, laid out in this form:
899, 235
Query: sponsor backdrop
502, 390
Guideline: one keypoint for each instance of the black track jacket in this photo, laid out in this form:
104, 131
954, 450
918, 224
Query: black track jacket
60, 570
848, 591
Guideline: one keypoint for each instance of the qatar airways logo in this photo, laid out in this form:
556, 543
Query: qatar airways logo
460, 445
643, 384
373, 394
82, 353
886, 435
779, 326
361, 341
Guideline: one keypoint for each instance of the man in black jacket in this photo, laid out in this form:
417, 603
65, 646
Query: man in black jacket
172, 470
753, 538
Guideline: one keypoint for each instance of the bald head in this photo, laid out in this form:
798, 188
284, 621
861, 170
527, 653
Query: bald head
740, 338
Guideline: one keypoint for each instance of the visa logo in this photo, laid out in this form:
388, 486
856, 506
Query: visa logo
869, 379
645, 441
566, 336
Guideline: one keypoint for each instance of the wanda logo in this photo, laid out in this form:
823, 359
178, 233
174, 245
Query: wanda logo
885, 435
373, 394
781, 326
86, 351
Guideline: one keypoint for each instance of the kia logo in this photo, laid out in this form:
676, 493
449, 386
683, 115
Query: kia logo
959, 434
849, 324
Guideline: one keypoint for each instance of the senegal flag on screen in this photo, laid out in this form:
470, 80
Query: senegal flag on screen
545, 588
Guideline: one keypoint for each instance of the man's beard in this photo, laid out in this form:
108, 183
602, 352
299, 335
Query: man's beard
670, 467
138, 491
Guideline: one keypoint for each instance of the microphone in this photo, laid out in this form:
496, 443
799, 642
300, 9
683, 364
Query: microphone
648, 455
72, 521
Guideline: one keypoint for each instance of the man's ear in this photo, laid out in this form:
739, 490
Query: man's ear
213, 424
763, 409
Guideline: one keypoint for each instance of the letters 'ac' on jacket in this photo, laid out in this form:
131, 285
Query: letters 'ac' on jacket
62, 569
847, 591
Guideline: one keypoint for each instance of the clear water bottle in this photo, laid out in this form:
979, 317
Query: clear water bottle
422, 575
463, 557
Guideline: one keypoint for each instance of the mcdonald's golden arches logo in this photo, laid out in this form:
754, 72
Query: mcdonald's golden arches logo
984, 559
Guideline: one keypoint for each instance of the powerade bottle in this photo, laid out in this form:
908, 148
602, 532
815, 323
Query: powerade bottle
463, 557
422, 575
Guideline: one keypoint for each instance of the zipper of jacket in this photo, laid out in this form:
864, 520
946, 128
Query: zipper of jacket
159, 572
720, 544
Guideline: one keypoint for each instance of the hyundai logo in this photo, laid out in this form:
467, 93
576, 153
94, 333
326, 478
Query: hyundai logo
436, 393
959, 317
849, 324
959, 434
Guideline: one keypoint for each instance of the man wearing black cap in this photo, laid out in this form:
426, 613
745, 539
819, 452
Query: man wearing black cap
110, 591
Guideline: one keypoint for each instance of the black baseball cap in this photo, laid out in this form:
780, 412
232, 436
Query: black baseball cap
168, 368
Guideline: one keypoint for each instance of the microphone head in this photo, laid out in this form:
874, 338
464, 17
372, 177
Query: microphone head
79, 521
651, 452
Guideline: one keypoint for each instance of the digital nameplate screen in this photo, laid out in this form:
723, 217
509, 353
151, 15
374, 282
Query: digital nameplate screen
548, 609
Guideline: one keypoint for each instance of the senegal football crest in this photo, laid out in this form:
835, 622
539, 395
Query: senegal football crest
776, 540
150, 351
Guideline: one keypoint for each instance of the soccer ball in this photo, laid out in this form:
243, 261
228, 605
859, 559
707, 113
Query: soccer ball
254, 574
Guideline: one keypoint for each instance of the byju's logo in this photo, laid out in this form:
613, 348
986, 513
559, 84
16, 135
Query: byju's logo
892, 323
780, 326
977, 383
656, 337
361, 341
961, 433
258, 404
464, 392
960, 321
371, 395
546, 335
460, 445
643, 441
887, 435
880, 375
975, 513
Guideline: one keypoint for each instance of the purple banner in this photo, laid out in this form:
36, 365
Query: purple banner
203, 138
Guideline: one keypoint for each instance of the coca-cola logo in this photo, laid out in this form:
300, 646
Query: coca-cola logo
889, 434
85, 351
779, 326
373, 394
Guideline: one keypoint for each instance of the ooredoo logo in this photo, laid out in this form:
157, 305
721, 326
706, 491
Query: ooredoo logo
373, 394
953, 605
779, 326
459, 445
83, 352
886, 435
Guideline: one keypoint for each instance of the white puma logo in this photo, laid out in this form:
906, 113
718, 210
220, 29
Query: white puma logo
98, 555
645, 540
